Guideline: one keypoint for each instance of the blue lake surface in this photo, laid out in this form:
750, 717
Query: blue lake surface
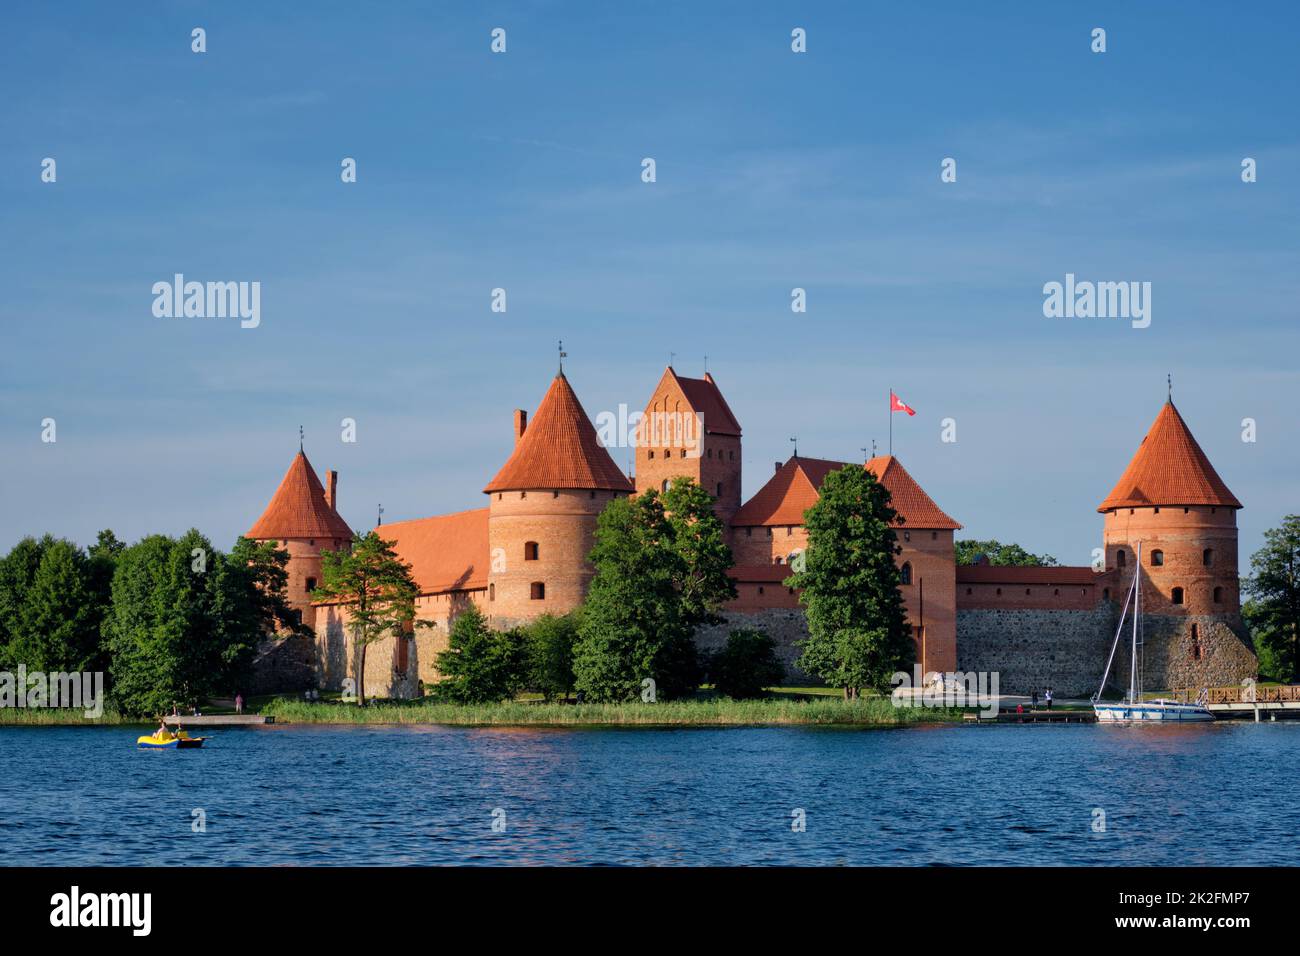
1015, 794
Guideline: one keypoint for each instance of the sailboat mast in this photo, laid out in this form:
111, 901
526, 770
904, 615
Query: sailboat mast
1137, 612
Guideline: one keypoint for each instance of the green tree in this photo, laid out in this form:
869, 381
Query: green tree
186, 619
52, 606
634, 627
549, 642
967, 551
377, 586
857, 625
1273, 611
480, 665
699, 539
747, 665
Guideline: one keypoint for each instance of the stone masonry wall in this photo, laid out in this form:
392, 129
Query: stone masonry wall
1032, 650
783, 625
1176, 657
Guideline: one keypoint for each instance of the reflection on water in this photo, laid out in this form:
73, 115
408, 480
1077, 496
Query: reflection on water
1019, 794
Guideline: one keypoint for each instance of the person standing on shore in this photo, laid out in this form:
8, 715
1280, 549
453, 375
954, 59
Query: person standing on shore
1035, 701
1047, 696
239, 703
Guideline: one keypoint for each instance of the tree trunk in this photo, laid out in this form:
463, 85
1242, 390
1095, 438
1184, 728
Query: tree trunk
361, 673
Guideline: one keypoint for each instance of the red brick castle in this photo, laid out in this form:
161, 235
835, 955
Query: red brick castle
525, 553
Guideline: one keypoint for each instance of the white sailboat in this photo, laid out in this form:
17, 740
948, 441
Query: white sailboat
1134, 708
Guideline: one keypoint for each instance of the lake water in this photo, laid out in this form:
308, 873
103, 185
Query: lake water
1015, 794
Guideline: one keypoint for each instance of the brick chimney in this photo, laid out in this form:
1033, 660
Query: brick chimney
332, 489
521, 423
778, 466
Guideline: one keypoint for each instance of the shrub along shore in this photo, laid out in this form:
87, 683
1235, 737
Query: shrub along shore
714, 712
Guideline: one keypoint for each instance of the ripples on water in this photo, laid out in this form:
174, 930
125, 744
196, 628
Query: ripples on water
1215, 795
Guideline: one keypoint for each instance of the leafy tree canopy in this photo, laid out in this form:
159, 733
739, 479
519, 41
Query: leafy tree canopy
1273, 611
997, 553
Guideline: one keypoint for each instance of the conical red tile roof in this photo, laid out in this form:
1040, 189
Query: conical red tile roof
559, 450
298, 508
1169, 469
795, 488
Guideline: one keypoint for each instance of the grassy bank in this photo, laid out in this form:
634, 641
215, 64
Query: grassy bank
60, 717
717, 712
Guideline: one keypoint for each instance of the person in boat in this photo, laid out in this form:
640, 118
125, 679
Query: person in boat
162, 732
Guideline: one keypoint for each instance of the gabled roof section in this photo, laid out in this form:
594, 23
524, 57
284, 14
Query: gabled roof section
298, 508
559, 450
446, 552
908, 498
1169, 468
703, 397
795, 488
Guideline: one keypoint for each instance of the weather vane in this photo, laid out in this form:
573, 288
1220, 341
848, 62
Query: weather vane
300, 438
563, 355
381, 516
795, 442
1169, 379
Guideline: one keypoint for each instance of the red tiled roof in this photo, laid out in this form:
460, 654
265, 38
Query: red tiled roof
916, 508
1021, 574
1169, 469
559, 450
298, 508
446, 552
794, 489
705, 397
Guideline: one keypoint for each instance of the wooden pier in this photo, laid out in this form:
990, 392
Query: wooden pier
1253, 702
220, 720
1039, 716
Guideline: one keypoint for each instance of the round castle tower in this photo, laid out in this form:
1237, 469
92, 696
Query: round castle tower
542, 510
302, 519
1171, 500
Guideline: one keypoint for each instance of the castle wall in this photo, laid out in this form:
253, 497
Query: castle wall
385, 674
1182, 535
1189, 653
1032, 649
785, 626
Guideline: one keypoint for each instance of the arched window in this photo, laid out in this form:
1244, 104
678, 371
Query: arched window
1177, 596
492, 592
650, 453
1218, 595
1207, 557
311, 585
1105, 594
1157, 558
531, 551
537, 591
905, 573
664, 487
779, 559
1121, 558
719, 489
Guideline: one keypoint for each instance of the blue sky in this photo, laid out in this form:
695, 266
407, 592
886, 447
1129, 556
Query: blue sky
522, 171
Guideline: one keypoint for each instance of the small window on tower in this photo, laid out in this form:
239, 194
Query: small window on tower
769, 532
710, 452
905, 573
537, 591
664, 487
492, 592
650, 453
749, 532
1157, 558
1121, 558
593, 494
1177, 596
778, 560
907, 536
1207, 557
311, 585
760, 589
1218, 595
719, 489
530, 550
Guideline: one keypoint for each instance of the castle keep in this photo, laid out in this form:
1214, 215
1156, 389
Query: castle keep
524, 554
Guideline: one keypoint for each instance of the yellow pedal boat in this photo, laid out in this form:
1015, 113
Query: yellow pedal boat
177, 741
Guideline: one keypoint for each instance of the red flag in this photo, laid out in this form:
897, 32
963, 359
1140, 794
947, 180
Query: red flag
896, 404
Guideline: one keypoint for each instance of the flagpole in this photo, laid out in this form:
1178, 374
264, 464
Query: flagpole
891, 421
